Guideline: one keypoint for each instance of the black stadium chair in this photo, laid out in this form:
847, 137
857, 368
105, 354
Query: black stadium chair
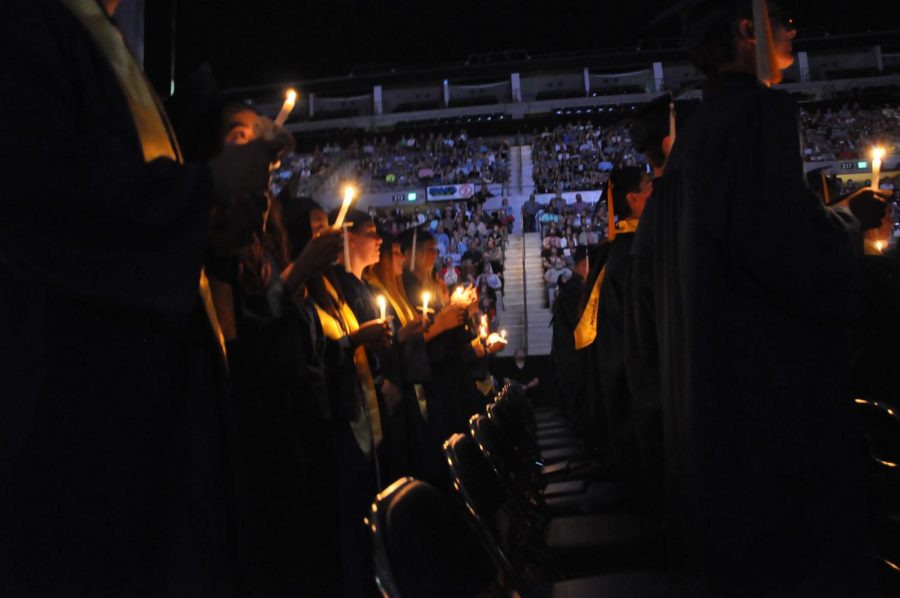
553, 495
881, 424
425, 547
577, 545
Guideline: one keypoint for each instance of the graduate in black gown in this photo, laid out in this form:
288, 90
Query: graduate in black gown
415, 451
348, 477
568, 364
117, 447
754, 283
449, 390
653, 133
631, 188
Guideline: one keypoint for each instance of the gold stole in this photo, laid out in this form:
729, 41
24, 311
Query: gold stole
366, 425
153, 128
405, 315
586, 329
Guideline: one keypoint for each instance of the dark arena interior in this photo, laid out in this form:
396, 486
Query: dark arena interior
424, 300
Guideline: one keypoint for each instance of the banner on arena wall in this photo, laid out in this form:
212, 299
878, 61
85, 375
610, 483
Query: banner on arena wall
449, 192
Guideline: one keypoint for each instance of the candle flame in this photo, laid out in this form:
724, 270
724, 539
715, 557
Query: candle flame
290, 98
879, 245
878, 153
382, 306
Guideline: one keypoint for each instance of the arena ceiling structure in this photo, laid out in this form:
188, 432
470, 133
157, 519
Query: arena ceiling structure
269, 41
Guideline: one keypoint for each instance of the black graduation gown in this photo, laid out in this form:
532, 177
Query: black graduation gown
115, 439
754, 282
876, 352
642, 359
610, 364
568, 363
592, 421
273, 401
450, 390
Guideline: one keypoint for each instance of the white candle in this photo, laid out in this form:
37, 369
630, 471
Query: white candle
290, 98
349, 193
877, 155
483, 329
426, 297
382, 306
503, 334
347, 264
671, 122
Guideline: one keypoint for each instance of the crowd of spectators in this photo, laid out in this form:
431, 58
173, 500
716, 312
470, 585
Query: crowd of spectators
433, 159
848, 133
576, 157
304, 170
470, 243
563, 227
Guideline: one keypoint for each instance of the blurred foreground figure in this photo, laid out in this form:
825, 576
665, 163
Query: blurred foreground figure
115, 442
755, 286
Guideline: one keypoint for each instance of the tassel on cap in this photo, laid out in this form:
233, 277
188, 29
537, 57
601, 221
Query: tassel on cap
766, 68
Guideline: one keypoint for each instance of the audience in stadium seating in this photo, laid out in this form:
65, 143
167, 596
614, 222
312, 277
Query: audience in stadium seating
848, 133
432, 160
574, 157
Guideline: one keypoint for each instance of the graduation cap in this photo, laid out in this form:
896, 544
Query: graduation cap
652, 122
622, 182
356, 218
700, 18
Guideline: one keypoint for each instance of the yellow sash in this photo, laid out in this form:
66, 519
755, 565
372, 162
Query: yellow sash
153, 128
366, 425
586, 330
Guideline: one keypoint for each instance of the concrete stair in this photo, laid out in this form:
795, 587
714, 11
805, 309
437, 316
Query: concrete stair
537, 336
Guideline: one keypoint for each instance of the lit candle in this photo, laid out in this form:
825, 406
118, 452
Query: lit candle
426, 297
877, 155
382, 306
503, 334
483, 329
349, 193
347, 264
290, 98
879, 245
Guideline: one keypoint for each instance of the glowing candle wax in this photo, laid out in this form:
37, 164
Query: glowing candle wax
290, 98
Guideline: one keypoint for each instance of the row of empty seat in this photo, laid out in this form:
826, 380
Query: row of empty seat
536, 513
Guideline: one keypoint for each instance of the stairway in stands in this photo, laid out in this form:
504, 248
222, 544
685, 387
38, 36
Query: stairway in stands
516, 302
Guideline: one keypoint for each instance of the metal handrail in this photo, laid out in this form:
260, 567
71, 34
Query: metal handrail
524, 291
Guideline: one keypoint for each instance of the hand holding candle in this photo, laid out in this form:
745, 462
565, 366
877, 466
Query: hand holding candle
877, 155
290, 98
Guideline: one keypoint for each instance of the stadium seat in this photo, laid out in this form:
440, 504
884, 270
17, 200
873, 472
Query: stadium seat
427, 547
582, 544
